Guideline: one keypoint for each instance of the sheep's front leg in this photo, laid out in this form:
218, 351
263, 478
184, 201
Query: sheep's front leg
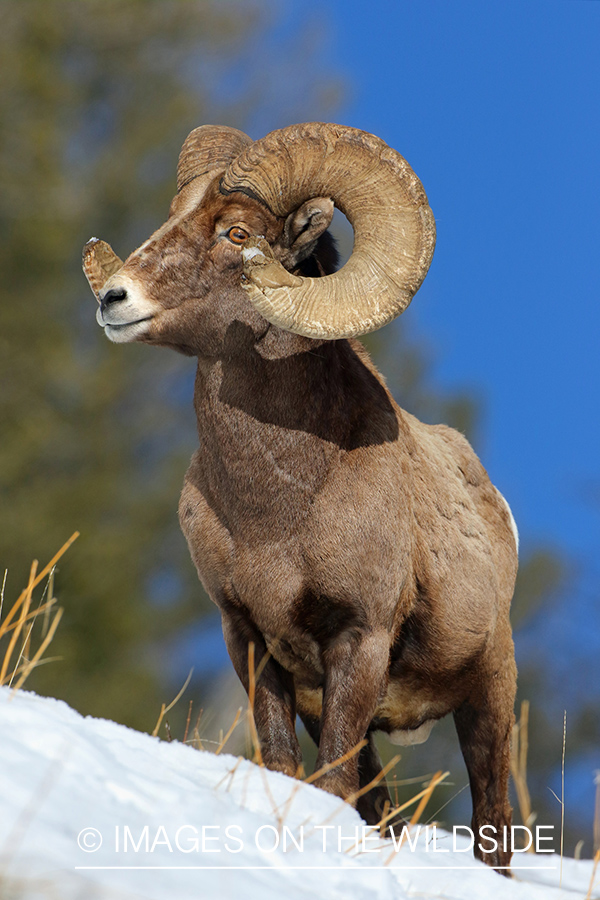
372, 805
355, 680
274, 698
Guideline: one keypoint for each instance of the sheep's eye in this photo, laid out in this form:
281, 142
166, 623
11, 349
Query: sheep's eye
237, 235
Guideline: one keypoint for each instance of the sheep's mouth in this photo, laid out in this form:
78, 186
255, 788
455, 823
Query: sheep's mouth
118, 325
123, 332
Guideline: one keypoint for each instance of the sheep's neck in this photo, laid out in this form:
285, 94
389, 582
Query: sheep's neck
271, 428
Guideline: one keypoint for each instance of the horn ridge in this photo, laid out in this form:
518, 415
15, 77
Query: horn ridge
209, 148
383, 199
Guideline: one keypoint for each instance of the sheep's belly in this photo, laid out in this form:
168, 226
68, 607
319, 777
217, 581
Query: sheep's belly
387, 720
406, 737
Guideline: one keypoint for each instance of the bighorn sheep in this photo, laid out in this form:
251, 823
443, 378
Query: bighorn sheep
368, 553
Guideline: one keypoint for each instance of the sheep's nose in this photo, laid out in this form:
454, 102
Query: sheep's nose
112, 296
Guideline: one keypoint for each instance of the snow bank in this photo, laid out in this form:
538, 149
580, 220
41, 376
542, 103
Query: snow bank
91, 809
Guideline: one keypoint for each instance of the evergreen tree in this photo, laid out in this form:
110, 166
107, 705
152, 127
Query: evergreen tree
95, 101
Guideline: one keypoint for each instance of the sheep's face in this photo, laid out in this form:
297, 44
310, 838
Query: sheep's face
182, 287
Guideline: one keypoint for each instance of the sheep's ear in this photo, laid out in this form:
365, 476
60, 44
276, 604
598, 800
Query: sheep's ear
304, 227
99, 262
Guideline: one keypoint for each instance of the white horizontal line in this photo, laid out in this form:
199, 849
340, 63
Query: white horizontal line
311, 868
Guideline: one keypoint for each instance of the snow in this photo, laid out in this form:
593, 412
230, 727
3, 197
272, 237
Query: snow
91, 810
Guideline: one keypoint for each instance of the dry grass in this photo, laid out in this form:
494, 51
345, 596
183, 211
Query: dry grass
165, 709
518, 769
252, 679
518, 763
518, 766
597, 814
588, 896
18, 658
390, 812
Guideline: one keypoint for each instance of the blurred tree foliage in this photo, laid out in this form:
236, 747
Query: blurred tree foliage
95, 101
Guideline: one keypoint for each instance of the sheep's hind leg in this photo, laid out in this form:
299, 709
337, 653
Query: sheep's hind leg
484, 729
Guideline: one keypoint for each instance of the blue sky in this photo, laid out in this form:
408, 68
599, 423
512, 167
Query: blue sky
496, 107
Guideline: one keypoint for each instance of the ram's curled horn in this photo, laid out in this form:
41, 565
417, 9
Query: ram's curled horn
207, 150
376, 189
99, 262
